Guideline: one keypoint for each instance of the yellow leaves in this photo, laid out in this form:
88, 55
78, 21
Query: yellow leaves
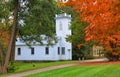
59, 3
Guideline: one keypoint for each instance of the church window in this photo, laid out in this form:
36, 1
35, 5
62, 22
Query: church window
60, 26
47, 50
68, 49
69, 25
19, 51
63, 50
58, 50
32, 51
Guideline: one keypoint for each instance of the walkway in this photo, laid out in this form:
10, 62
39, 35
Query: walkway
50, 68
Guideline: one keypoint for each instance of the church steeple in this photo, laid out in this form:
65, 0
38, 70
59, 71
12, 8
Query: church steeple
63, 24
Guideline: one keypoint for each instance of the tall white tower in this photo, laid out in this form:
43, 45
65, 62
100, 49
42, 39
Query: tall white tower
62, 31
63, 25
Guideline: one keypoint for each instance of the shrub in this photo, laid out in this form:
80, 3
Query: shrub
11, 67
89, 57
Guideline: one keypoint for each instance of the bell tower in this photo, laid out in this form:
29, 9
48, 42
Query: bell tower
63, 25
62, 31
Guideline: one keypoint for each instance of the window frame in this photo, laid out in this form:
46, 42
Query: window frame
63, 51
32, 51
46, 50
18, 51
58, 50
60, 26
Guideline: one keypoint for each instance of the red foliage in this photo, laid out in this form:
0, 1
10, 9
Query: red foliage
103, 17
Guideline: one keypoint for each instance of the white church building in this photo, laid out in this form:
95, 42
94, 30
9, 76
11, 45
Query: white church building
62, 50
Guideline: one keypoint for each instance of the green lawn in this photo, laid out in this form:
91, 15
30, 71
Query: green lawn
21, 67
82, 71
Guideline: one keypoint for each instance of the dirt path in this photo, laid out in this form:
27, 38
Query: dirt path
40, 70
52, 68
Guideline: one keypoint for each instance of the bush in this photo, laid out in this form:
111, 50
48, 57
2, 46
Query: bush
11, 67
89, 57
112, 57
113, 54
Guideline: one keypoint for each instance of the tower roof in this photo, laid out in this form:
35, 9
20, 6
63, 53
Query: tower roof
62, 16
64, 1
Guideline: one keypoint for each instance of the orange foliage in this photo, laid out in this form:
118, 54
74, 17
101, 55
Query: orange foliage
103, 17
80, 45
4, 36
114, 53
59, 3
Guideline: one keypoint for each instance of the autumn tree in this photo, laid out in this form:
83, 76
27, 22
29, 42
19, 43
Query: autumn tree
79, 47
103, 17
4, 40
4, 31
37, 18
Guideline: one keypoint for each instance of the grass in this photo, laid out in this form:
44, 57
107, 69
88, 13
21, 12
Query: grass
21, 66
36, 65
82, 71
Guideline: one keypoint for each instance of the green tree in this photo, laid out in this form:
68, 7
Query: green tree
80, 46
13, 36
38, 19
77, 37
5, 8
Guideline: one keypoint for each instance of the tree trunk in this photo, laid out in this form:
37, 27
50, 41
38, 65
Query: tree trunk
2, 60
1, 69
13, 36
12, 52
1, 56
